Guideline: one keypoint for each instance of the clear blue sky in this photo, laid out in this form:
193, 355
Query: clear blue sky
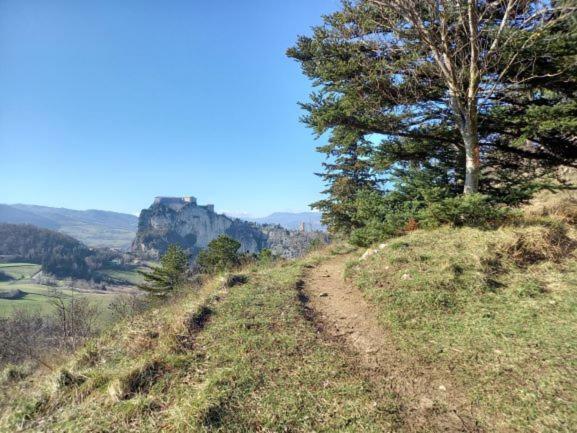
106, 104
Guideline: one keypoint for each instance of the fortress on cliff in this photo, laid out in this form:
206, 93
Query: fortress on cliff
177, 203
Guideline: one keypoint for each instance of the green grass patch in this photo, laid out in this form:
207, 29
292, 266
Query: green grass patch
19, 270
36, 298
128, 276
460, 301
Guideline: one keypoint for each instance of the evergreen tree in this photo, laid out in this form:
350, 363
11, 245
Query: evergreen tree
221, 254
169, 275
377, 72
347, 173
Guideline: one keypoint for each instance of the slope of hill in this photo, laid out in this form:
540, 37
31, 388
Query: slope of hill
95, 228
245, 358
13, 215
446, 330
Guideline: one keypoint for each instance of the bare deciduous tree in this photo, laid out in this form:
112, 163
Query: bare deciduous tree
74, 318
24, 336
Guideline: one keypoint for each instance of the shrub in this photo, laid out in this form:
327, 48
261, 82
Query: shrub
128, 305
265, 256
221, 254
381, 216
169, 275
5, 277
475, 210
12, 294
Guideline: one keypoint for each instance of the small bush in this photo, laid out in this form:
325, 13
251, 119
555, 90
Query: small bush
12, 294
129, 305
475, 210
5, 277
65, 378
384, 216
265, 256
14, 373
235, 280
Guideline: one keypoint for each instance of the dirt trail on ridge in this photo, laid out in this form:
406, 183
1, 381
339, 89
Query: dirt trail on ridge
344, 311
430, 401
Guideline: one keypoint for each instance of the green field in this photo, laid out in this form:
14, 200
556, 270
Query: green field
19, 270
37, 298
132, 276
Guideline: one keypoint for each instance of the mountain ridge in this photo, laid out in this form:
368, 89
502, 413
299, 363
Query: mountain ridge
95, 228
287, 220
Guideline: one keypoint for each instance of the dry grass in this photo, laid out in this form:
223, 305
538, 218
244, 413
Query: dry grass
559, 205
534, 244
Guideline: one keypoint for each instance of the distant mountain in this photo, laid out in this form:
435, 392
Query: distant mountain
291, 220
95, 228
13, 215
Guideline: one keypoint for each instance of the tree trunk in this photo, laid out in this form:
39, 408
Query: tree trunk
466, 118
472, 157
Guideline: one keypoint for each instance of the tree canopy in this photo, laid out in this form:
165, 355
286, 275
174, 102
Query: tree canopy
221, 254
481, 95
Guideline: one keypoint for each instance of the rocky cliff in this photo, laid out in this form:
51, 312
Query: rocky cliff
170, 221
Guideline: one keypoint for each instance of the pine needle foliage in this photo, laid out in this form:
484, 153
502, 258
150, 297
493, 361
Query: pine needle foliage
166, 278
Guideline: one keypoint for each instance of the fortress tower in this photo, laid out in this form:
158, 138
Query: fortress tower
175, 203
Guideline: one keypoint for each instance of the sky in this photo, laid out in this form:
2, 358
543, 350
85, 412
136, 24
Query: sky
106, 104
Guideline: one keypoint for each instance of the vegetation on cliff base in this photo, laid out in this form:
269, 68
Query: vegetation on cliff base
220, 254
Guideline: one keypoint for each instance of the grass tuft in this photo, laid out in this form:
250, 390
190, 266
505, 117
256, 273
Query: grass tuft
534, 244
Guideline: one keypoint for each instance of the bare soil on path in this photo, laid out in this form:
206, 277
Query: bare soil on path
429, 400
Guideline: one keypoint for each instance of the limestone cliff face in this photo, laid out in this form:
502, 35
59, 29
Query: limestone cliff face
193, 227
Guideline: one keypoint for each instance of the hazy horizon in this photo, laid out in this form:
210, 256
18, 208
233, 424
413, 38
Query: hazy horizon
230, 213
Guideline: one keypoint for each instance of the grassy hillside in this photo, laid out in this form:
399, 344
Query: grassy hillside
241, 359
489, 314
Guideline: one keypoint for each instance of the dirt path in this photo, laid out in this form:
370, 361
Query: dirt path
430, 401
344, 311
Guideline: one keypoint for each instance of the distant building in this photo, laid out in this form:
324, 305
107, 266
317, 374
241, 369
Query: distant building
177, 203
